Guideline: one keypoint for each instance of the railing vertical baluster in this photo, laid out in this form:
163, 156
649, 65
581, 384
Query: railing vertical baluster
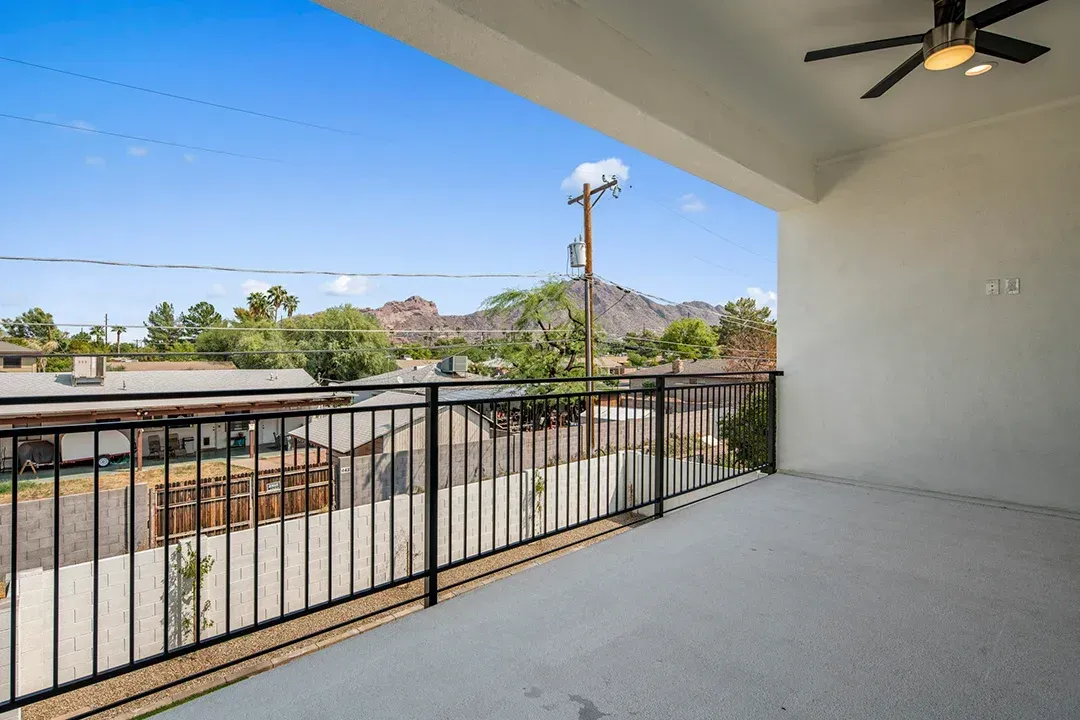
770, 436
95, 610
165, 615
569, 459
431, 497
228, 527
521, 470
465, 473
329, 508
558, 423
56, 560
659, 439
254, 515
410, 467
508, 451
479, 481
352, 502
198, 532
450, 477
588, 464
281, 524
307, 511
393, 490
13, 585
371, 546
132, 454
547, 432
494, 469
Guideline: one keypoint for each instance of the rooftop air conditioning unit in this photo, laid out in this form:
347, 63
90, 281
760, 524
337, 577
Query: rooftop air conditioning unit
88, 371
456, 365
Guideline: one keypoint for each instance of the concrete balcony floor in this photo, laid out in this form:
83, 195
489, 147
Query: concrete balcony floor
786, 598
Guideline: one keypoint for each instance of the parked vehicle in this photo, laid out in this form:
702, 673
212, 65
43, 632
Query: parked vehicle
113, 445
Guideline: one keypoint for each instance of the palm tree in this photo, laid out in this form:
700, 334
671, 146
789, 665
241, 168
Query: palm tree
290, 304
277, 296
259, 305
119, 330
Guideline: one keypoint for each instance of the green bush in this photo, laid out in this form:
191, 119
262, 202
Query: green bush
745, 431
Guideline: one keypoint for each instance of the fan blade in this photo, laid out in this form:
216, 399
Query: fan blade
895, 76
1007, 48
1001, 11
862, 47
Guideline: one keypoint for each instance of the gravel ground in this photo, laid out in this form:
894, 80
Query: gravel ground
83, 700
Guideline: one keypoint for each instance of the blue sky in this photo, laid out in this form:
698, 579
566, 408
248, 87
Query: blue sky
447, 173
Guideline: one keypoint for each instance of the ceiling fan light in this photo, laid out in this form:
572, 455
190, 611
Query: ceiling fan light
948, 46
949, 57
981, 69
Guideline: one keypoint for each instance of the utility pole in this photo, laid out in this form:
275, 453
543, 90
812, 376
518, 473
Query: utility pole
587, 203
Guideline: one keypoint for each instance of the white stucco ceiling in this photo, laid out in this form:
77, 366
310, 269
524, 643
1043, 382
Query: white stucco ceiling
719, 87
750, 54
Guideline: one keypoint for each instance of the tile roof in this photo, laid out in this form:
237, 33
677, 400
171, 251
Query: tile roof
422, 374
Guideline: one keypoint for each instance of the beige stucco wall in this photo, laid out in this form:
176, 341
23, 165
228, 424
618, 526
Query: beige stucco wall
900, 369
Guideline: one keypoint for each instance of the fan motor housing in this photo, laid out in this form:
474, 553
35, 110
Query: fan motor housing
948, 35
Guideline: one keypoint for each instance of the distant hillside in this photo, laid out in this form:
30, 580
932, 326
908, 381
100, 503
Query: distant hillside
617, 313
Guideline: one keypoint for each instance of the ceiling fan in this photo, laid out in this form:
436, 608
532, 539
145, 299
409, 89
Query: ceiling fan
951, 42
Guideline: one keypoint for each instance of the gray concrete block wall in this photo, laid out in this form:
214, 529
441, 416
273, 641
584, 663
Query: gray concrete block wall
468, 522
35, 540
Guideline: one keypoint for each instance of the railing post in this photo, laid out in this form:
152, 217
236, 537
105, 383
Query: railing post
431, 497
659, 440
770, 427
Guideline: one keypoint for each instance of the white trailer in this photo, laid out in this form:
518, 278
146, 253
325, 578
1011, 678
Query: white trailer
79, 447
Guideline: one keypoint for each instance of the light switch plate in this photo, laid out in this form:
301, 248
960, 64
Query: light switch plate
1012, 286
993, 287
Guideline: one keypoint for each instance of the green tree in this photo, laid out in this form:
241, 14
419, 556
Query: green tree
97, 335
256, 339
258, 308
161, 331
34, 324
118, 330
200, 315
343, 343
688, 338
557, 349
276, 295
289, 304
744, 431
738, 316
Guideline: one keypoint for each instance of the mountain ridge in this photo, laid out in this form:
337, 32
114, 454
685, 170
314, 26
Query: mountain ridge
617, 313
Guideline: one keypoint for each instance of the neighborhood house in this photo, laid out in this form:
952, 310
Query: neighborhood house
91, 379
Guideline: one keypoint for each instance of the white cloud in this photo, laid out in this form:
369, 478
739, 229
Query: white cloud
80, 125
251, 285
137, 151
594, 172
691, 203
217, 290
95, 160
189, 157
763, 297
347, 285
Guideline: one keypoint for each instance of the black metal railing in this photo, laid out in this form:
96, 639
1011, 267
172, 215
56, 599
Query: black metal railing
177, 533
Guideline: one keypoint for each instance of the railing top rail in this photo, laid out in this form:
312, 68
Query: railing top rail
344, 390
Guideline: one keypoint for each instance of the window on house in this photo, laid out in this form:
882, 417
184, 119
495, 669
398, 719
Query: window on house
11, 361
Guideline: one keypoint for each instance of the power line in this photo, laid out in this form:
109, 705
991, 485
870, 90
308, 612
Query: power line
168, 143
263, 271
650, 341
710, 231
184, 98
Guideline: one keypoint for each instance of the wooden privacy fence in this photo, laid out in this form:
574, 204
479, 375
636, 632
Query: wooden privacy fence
305, 489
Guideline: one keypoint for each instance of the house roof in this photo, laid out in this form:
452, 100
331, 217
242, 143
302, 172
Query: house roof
166, 382
611, 361
9, 348
424, 374
361, 431
693, 367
